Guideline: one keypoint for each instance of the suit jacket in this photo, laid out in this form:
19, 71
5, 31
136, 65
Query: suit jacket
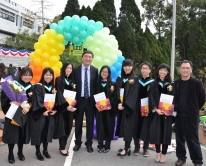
78, 80
195, 99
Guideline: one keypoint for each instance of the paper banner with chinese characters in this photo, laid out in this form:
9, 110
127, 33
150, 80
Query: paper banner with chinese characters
144, 106
70, 97
166, 105
49, 100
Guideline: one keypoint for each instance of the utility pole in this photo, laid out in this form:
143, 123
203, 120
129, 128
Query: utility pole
173, 39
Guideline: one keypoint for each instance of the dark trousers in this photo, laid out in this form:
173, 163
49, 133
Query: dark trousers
186, 132
137, 144
84, 105
106, 145
63, 142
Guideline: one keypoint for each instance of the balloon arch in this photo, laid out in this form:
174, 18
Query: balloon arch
80, 31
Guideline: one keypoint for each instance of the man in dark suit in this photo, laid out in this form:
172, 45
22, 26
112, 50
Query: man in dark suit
85, 78
189, 98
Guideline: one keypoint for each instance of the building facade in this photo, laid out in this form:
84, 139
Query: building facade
14, 17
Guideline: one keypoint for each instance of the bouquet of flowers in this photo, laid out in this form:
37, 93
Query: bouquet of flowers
12, 90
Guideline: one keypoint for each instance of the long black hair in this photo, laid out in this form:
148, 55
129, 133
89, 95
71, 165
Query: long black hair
2, 70
63, 69
109, 79
50, 70
24, 71
127, 62
167, 77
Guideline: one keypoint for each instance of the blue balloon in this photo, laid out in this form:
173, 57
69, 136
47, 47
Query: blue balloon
59, 29
68, 36
84, 18
67, 29
53, 26
75, 31
117, 66
120, 58
65, 42
98, 26
90, 29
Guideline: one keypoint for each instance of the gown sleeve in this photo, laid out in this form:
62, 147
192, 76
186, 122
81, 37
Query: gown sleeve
38, 101
5, 102
153, 98
130, 102
61, 103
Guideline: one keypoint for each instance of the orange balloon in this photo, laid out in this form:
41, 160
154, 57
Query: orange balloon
36, 78
37, 70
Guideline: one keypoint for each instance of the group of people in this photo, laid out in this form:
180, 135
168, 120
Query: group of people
125, 96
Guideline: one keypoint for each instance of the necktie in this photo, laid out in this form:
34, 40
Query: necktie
86, 91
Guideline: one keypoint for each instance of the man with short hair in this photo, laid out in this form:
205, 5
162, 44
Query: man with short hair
85, 79
189, 98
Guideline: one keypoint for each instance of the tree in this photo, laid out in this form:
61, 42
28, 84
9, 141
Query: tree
23, 40
126, 39
71, 8
108, 5
131, 12
85, 11
99, 14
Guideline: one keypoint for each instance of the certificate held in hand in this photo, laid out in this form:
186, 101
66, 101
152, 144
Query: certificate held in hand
70, 97
19, 118
49, 100
144, 106
102, 103
165, 104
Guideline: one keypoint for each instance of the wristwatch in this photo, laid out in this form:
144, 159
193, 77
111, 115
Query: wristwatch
154, 110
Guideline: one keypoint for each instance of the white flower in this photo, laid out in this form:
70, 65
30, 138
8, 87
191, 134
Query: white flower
25, 104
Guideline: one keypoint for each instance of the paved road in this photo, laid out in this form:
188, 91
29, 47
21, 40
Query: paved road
82, 158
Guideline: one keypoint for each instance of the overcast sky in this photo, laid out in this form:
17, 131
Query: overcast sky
59, 5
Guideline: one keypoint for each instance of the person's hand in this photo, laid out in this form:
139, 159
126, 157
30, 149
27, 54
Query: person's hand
120, 107
15, 102
25, 110
109, 108
53, 112
71, 109
160, 112
46, 113
201, 112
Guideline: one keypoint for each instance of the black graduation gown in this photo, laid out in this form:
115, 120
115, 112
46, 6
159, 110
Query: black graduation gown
127, 118
161, 125
63, 117
144, 122
42, 127
106, 119
13, 134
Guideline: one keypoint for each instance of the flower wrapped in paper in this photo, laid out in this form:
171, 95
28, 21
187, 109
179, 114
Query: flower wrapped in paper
12, 90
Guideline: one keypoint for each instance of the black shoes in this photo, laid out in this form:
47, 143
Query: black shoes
89, 149
40, 157
21, 156
63, 154
46, 154
76, 147
126, 153
11, 159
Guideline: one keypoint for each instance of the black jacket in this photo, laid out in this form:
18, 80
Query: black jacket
195, 99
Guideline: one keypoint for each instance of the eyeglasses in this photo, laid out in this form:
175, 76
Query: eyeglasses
185, 68
144, 68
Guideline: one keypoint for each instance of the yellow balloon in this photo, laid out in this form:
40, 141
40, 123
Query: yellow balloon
32, 56
43, 39
37, 62
59, 38
59, 64
56, 70
37, 53
60, 48
53, 51
51, 34
51, 43
44, 47
45, 64
37, 45
53, 60
45, 57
